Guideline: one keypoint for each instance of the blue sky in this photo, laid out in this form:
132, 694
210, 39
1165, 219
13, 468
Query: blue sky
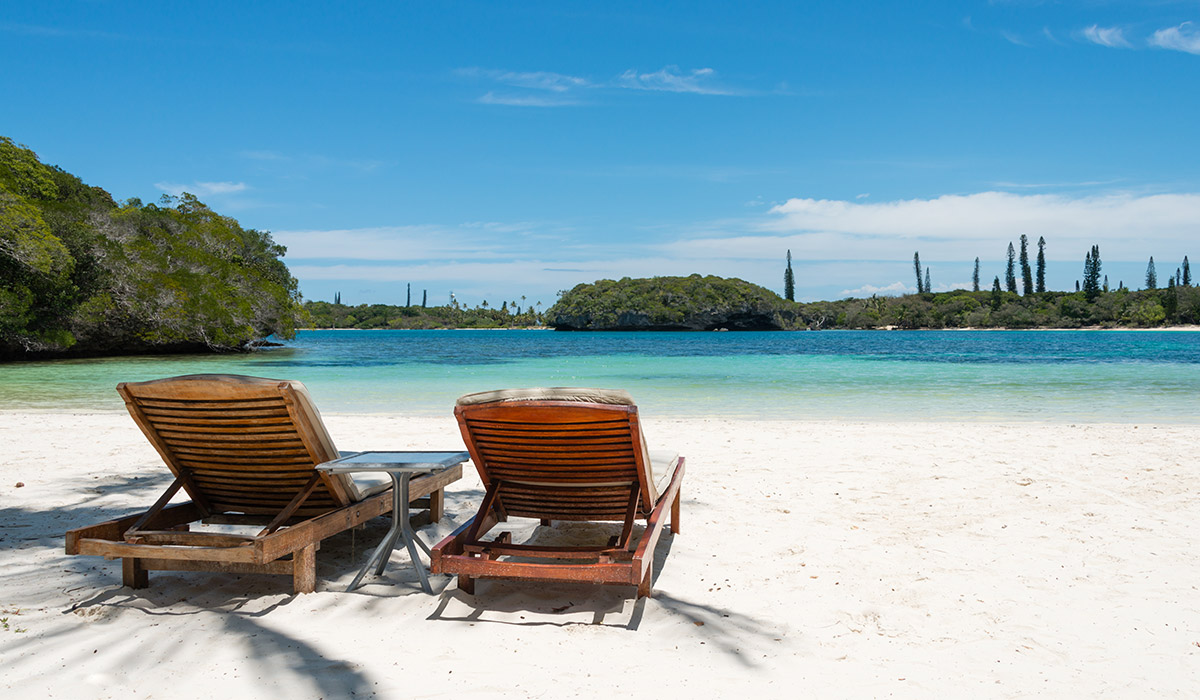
499, 150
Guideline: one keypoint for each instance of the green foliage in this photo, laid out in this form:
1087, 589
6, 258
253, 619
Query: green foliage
693, 302
80, 274
322, 314
688, 303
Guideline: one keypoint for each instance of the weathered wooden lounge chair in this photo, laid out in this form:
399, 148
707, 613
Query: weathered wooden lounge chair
245, 450
561, 454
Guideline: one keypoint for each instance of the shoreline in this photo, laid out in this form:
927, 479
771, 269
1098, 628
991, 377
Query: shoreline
870, 559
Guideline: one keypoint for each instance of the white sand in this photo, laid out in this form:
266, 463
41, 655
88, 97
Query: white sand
833, 559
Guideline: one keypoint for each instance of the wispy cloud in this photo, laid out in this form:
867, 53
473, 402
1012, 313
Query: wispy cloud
532, 80
1112, 37
57, 32
551, 89
1012, 38
1185, 37
493, 98
700, 81
202, 189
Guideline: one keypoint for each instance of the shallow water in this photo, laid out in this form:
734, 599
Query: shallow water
1095, 376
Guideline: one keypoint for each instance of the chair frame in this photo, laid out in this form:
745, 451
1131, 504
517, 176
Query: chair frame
160, 538
624, 560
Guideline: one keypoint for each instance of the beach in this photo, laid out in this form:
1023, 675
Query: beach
831, 559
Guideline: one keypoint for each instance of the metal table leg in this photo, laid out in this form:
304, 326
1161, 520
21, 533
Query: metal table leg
400, 528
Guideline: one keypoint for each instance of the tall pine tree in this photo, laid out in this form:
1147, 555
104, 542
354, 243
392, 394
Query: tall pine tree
1010, 273
1091, 273
789, 280
928, 287
975, 277
1187, 273
1041, 265
917, 267
1151, 276
1026, 273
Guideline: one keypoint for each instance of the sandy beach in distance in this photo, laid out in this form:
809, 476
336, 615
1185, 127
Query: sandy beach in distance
824, 559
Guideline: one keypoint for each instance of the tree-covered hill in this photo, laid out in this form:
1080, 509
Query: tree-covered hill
706, 303
671, 303
81, 274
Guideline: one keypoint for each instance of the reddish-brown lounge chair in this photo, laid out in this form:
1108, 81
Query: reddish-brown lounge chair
561, 454
245, 450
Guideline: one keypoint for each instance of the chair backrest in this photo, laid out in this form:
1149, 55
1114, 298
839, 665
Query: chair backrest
560, 453
241, 444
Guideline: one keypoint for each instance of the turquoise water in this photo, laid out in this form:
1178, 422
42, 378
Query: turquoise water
864, 375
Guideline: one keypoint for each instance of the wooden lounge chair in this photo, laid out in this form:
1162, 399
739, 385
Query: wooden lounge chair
561, 454
245, 450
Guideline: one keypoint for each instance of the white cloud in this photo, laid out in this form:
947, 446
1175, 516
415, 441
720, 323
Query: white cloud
202, 189
961, 227
1185, 37
1112, 37
894, 289
670, 79
491, 98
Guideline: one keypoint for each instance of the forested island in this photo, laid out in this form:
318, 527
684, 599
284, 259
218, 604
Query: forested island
81, 274
715, 303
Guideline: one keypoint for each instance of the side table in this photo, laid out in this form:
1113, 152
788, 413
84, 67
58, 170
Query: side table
400, 466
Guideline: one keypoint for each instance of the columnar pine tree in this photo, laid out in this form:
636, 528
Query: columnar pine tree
1091, 273
928, 287
408, 294
1041, 265
337, 297
1010, 272
1151, 276
1026, 273
789, 280
975, 277
1106, 283
424, 297
917, 267
1187, 273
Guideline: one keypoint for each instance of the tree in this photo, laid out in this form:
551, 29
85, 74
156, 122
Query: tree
1151, 276
408, 294
1187, 273
996, 293
1026, 273
424, 297
1010, 273
1106, 283
789, 280
928, 287
1041, 265
337, 297
975, 277
1091, 273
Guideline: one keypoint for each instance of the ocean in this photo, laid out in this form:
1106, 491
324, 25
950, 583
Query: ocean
1064, 376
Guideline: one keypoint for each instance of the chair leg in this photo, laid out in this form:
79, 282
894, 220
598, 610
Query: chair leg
437, 505
133, 574
466, 584
304, 569
675, 511
644, 586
